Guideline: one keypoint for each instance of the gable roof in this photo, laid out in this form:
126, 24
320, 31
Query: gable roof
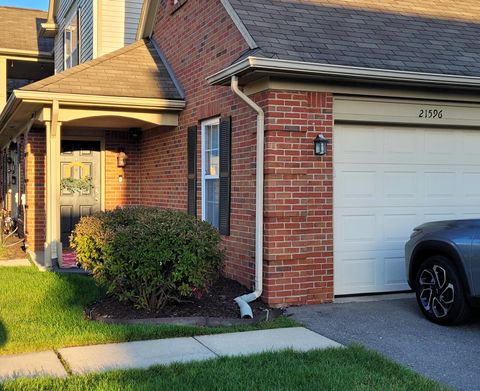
133, 71
20, 30
426, 36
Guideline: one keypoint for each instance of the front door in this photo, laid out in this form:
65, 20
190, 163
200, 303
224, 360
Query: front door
79, 159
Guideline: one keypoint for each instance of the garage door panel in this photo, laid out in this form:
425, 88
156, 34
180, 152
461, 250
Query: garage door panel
440, 184
411, 176
359, 184
471, 185
395, 272
470, 145
359, 273
351, 222
400, 184
402, 144
438, 145
367, 271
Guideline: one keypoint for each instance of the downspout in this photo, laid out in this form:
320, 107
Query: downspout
242, 301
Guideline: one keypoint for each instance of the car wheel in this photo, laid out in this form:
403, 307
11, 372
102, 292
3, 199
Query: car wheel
440, 293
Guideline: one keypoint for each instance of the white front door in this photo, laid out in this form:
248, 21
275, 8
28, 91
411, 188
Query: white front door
387, 181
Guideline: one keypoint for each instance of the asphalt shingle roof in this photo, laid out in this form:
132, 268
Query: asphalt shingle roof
19, 28
431, 36
133, 71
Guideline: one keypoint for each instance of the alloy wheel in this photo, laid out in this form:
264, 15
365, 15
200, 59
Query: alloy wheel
437, 293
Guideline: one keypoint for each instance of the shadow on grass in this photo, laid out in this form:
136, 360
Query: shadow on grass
76, 291
3, 334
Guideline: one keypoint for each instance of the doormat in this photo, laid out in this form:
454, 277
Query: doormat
69, 260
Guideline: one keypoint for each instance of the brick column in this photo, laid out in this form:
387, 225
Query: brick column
298, 236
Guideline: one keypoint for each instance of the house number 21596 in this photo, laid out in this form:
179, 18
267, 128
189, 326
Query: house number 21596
430, 113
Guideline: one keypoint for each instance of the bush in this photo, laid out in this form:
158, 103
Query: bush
148, 256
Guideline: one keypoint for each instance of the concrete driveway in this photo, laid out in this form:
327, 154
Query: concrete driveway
395, 327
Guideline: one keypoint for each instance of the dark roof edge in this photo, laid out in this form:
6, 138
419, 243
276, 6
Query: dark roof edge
163, 59
239, 24
299, 68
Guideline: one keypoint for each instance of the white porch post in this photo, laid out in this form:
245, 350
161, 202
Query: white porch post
56, 175
3, 82
48, 201
53, 245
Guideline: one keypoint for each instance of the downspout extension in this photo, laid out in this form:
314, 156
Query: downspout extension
242, 301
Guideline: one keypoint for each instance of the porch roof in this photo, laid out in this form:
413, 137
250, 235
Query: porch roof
134, 71
130, 87
19, 31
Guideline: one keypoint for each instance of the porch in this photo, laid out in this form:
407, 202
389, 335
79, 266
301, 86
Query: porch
96, 124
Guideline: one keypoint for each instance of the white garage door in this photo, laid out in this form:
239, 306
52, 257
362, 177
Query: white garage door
387, 181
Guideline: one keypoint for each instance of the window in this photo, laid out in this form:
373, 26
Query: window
71, 38
210, 171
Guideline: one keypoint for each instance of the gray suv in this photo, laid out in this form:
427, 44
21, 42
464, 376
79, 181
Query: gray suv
443, 268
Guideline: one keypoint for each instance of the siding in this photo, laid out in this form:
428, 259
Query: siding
86, 30
119, 23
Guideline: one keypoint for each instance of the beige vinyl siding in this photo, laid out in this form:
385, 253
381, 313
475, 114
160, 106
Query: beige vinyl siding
65, 9
119, 23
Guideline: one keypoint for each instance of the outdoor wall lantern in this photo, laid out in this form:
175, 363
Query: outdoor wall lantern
14, 180
122, 159
320, 144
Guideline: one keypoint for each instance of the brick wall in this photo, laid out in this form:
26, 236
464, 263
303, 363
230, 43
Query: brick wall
199, 39
161, 168
35, 165
125, 192
298, 215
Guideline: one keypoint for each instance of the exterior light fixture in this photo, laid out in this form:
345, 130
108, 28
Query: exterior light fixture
122, 159
320, 143
135, 132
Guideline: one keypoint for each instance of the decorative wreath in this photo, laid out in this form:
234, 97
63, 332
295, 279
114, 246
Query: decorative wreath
74, 185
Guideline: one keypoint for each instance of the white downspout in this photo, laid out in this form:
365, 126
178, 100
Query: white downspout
242, 301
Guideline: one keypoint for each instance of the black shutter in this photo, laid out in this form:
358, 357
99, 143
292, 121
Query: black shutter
225, 170
192, 170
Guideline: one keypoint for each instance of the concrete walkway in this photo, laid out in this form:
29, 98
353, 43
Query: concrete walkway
144, 354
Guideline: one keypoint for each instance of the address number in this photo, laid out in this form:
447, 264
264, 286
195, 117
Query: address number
430, 113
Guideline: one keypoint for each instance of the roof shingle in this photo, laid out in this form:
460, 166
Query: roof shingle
430, 36
19, 28
133, 71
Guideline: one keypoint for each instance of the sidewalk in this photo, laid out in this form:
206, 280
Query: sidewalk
144, 354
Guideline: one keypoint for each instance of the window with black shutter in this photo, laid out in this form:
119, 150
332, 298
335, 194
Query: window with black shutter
216, 150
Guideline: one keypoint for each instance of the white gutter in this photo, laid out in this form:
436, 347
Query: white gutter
242, 301
339, 71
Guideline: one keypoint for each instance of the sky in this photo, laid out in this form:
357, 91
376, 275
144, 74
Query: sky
37, 4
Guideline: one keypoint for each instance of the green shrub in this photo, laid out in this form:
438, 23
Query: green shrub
148, 256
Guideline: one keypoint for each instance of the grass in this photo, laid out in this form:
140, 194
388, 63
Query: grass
352, 368
41, 311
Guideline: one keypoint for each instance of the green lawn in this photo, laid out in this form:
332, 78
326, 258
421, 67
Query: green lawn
353, 368
40, 311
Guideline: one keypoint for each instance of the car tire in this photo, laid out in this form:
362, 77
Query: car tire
440, 293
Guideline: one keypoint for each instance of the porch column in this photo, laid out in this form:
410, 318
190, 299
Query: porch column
53, 245
3, 82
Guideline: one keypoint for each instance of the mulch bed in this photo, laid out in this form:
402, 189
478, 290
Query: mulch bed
217, 303
17, 251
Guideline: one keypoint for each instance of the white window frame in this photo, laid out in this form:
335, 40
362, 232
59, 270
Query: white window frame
75, 14
205, 177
